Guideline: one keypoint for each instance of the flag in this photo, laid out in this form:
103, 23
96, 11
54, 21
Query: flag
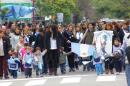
82, 50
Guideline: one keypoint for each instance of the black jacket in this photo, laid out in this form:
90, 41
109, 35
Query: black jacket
68, 36
6, 45
39, 42
47, 40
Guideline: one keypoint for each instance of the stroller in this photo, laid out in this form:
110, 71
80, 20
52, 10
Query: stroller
88, 63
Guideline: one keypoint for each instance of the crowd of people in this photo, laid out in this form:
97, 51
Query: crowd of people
44, 49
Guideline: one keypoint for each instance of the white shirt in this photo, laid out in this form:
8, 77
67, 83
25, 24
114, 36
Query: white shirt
1, 48
126, 41
116, 48
14, 40
53, 44
79, 35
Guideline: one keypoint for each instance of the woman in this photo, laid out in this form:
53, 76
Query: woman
15, 38
53, 45
20, 44
79, 33
69, 37
118, 32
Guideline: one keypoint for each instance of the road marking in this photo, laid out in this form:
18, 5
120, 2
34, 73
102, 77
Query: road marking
105, 78
5, 83
48, 77
35, 82
70, 80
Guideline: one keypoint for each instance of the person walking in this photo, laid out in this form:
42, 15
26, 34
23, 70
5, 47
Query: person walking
126, 48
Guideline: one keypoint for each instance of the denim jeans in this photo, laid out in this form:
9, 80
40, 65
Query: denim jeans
118, 66
99, 68
14, 73
63, 68
38, 70
128, 74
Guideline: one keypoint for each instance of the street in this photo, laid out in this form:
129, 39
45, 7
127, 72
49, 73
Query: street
78, 78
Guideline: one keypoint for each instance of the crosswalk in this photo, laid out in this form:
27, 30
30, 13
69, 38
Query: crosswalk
59, 80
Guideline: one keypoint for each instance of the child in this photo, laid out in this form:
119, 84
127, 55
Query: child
13, 64
117, 54
39, 61
97, 61
28, 62
21, 54
62, 60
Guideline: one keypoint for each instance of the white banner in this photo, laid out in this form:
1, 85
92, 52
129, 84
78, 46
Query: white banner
103, 40
60, 17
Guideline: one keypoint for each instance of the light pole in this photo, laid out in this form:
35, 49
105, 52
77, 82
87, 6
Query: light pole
33, 15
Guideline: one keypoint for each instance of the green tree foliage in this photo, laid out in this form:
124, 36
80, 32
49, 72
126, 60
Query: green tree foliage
52, 7
112, 8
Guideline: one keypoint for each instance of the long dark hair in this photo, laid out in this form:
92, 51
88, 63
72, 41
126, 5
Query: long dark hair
54, 31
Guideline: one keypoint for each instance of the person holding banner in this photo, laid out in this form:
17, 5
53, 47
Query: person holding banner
88, 36
88, 39
69, 37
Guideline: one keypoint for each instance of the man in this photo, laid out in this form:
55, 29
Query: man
4, 48
126, 47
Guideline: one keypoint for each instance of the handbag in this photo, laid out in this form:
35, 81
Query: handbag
97, 59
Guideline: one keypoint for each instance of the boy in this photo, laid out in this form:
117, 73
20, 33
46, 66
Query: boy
62, 60
28, 62
13, 64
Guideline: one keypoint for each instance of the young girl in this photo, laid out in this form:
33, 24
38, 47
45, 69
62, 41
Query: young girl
38, 60
117, 55
13, 64
28, 62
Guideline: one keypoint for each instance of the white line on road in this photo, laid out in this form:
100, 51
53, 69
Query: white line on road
49, 77
6, 83
70, 80
36, 82
106, 78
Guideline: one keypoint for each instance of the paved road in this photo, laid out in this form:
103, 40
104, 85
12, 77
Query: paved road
78, 78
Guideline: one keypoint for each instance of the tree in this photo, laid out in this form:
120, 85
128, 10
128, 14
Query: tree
111, 8
86, 8
52, 7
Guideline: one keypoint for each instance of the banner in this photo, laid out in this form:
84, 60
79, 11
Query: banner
60, 17
82, 50
103, 40
17, 9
